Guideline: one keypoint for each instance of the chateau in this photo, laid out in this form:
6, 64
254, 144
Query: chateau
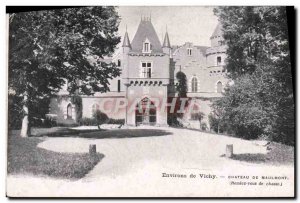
148, 75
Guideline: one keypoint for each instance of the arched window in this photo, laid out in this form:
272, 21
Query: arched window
95, 107
194, 85
189, 52
69, 111
219, 87
219, 60
119, 85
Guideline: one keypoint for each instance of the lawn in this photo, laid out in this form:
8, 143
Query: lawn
24, 157
102, 133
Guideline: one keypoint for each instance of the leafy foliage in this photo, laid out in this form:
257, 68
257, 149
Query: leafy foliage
100, 117
216, 123
51, 47
203, 126
181, 87
14, 109
77, 100
260, 101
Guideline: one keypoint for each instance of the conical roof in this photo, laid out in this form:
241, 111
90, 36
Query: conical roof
166, 41
126, 41
146, 31
218, 31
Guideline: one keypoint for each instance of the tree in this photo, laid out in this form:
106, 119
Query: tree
260, 102
181, 87
48, 48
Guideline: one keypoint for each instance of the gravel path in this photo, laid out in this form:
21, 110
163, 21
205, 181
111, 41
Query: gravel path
134, 167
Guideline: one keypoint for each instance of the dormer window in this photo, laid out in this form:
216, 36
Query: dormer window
146, 46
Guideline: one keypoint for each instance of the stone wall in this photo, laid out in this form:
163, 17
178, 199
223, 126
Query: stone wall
59, 107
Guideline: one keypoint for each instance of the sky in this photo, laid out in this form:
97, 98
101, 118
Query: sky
184, 24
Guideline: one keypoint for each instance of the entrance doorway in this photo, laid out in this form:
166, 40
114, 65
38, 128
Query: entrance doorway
145, 112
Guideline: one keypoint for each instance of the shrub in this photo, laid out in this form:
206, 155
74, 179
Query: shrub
116, 121
173, 121
48, 123
100, 117
204, 126
43, 123
87, 121
216, 124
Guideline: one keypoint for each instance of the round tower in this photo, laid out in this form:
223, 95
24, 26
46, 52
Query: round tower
216, 54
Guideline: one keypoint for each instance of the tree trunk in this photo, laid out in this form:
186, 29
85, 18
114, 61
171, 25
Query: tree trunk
25, 130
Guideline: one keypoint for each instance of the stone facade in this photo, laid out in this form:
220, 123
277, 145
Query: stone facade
148, 73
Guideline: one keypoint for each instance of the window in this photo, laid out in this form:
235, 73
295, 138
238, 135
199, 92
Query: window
189, 51
146, 69
194, 85
119, 85
219, 60
219, 87
69, 111
119, 63
221, 42
146, 46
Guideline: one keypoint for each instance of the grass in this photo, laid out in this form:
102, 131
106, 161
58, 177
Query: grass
59, 131
102, 134
24, 157
278, 155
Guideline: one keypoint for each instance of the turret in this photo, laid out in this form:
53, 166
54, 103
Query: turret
216, 38
216, 54
126, 43
166, 45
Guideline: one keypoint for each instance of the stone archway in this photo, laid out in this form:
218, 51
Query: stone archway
145, 112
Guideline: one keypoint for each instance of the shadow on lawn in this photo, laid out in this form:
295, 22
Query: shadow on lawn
60, 132
24, 157
279, 154
120, 133
252, 158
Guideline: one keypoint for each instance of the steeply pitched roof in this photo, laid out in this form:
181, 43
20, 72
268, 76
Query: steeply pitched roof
146, 31
217, 31
202, 49
126, 41
217, 49
166, 41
